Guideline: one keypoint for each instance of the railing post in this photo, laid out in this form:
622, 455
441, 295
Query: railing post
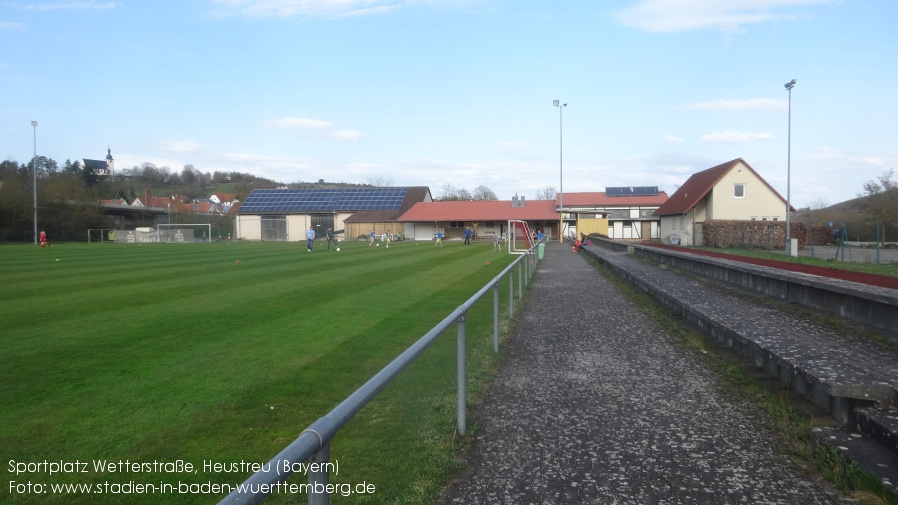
521, 280
527, 267
319, 479
461, 373
511, 293
496, 317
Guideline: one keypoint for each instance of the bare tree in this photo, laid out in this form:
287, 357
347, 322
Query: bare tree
546, 193
447, 192
380, 181
817, 209
484, 193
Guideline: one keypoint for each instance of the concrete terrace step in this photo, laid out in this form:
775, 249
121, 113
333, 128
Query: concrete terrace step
880, 425
855, 380
834, 372
866, 452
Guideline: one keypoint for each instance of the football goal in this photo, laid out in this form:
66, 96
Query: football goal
185, 232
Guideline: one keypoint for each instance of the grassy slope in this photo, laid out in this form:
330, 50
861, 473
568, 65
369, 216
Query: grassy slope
167, 352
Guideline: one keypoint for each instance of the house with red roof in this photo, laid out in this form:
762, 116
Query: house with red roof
629, 211
424, 219
731, 190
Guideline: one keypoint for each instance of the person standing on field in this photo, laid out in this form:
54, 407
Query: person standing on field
467, 234
330, 238
43, 238
439, 239
371, 239
310, 237
497, 247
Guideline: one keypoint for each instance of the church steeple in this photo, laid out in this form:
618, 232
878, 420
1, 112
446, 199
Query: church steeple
110, 163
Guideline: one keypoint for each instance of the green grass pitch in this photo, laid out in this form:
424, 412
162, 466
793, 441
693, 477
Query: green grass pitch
222, 353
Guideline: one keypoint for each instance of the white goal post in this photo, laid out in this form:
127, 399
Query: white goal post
202, 232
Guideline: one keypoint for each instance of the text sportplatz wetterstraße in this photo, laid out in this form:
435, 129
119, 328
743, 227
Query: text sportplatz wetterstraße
47, 468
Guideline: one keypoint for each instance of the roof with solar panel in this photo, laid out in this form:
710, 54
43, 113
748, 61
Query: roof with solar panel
313, 200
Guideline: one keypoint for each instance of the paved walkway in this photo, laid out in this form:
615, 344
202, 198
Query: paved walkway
595, 404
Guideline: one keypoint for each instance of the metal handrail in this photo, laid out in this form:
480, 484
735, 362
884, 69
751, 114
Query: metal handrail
313, 443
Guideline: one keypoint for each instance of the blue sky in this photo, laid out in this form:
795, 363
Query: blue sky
436, 92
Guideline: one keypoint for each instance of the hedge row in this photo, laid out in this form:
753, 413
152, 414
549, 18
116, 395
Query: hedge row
728, 234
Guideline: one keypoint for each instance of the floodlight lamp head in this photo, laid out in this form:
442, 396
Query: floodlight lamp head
554, 102
790, 84
34, 123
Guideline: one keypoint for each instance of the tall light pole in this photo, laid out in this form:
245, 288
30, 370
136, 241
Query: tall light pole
561, 107
789, 86
34, 172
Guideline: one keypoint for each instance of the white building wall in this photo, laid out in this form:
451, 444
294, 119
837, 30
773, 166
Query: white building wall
759, 199
248, 227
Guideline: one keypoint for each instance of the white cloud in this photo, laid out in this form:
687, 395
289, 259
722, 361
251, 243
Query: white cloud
180, 146
671, 138
684, 15
298, 123
63, 6
731, 137
512, 144
765, 104
9, 26
346, 135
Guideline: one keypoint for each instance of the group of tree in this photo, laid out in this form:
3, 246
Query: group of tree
68, 199
878, 202
450, 193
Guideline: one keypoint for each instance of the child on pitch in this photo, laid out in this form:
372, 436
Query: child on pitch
43, 238
439, 239
497, 247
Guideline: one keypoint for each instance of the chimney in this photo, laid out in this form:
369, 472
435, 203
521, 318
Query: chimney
147, 200
514, 201
522, 201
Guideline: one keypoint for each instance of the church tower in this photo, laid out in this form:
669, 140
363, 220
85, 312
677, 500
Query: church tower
110, 163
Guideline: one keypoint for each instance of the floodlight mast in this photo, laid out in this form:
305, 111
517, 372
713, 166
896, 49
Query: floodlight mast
789, 85
34, 174
561, 106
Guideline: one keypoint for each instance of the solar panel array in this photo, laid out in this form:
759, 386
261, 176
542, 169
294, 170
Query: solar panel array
372, 198
262, 201
634, 191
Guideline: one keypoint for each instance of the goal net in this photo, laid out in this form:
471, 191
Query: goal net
181, 233
193, 232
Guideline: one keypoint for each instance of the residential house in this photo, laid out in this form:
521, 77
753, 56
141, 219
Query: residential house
732, 190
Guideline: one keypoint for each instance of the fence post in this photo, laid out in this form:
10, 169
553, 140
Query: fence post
511, 293
527, 266
496, 317
461, 373
318, 478
521, 280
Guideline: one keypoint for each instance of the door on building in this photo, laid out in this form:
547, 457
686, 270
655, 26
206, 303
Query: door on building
274, 228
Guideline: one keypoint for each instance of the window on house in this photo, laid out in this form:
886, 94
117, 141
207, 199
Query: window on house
763, 218
739, 191
754, 218
776, 218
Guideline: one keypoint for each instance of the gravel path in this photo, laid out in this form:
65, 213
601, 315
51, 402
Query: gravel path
595, 404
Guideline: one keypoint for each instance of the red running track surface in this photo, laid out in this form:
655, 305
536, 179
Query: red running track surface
883, 281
